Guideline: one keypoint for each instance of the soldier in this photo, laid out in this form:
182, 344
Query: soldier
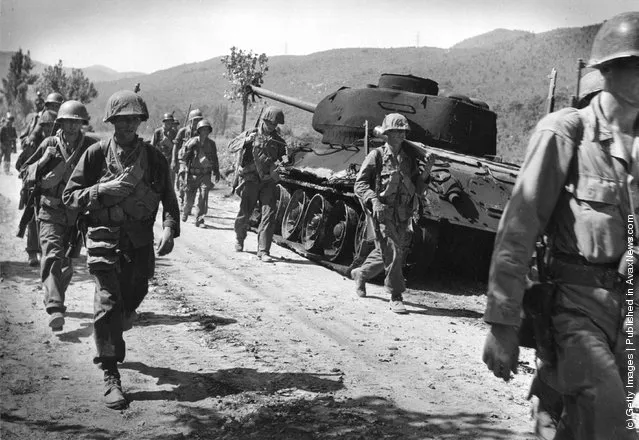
120, 182
547, 404
53, 102
7, 142
50, 168
177, 161
44, 128
39, 102
163, 138
574, 186
200, 157
387, 185
258, 158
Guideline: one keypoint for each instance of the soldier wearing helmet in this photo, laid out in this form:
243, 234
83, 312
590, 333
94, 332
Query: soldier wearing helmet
576, 186
200, 158
177, 161
52, 103
7, 142
388, 185
119, 183
258, 156
49, 168
163, 138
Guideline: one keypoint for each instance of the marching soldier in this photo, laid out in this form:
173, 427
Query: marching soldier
50, 168
7, 142
177, 161
163, 138
200, 157
44, 128
53, 102
121, 182
262, 148
574, 186
387, 185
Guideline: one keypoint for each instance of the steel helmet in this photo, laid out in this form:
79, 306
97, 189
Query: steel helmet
274, 115
10, 116
167, 117
54, 98
617, 38
589, 85
48, 117
394, 121
204, 123
73, 110
125, 103
195, 114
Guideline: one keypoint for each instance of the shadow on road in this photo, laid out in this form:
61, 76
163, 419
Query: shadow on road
146, 319
192, 387
433, 311
367, 417
52, 426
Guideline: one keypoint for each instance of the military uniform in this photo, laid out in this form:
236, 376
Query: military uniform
573, 184
399, 183
183, 135
201, 161
257, 183
163, 141
8, 138
56, 222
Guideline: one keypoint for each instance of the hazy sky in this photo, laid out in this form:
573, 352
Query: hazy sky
148, 35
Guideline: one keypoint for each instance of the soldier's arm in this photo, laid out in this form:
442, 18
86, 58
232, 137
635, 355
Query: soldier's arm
365, 181
81, 191
214, 160
537, 189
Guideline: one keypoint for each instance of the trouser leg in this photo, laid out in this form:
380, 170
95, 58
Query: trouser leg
267, 222
33, 242
392, 243
135, 277
374, 263
172, 176
56, 269
202, 202
107, 317
189, 200
549, 406
248, 200
590, 376
6, 159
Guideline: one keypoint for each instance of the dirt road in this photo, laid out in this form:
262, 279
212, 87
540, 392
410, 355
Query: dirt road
228, 347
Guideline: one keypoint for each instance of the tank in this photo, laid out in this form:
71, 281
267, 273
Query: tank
319, 215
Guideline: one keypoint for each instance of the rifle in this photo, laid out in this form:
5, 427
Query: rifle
238, 163
550, 106
29, 210
575, 97
77, 238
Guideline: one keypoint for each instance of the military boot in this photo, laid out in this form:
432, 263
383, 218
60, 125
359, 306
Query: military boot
239, 246
33, 259
360, 282
113, 395
56, 321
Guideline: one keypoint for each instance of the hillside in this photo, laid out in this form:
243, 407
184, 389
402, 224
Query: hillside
492, 38
510, 75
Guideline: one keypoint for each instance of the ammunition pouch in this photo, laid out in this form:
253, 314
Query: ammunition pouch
103, 247
536, 326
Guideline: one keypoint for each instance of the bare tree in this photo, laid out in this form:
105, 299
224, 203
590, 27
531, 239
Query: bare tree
243, 69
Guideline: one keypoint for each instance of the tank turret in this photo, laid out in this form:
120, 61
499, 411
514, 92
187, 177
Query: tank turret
318, 212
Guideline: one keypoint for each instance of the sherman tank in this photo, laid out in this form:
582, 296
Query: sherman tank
318, 213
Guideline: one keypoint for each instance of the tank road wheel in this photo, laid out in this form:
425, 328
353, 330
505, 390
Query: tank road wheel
283, 196
339, 238
293, 216
314, 224
364, 241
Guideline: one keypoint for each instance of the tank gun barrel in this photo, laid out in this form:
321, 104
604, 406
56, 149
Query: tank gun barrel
285, 99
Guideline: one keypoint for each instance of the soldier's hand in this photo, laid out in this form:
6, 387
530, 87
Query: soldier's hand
378, 210
49, 153
165, 245
116, 187
501, 350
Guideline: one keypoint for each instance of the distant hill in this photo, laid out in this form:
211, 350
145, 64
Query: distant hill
95, 73
492, 38
98, 73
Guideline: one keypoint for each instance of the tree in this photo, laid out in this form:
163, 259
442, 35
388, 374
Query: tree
219, 115
75, 86
243, 69
17, 82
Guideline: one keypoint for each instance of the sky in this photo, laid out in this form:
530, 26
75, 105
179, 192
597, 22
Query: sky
150, 35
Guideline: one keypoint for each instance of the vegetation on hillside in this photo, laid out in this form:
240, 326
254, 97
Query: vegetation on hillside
16, 85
